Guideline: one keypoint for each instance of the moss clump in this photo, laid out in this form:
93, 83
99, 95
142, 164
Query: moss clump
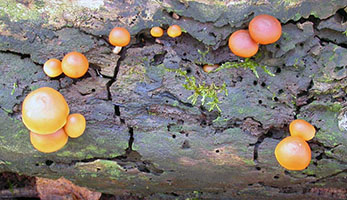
208, 93
246, 64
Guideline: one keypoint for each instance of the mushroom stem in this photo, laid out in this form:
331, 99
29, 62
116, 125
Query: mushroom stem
117, 49
158, 41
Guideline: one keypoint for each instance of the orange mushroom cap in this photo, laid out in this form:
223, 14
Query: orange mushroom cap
265, 29
293, 153
157, 31
174, 31
49, 143
119, 36
75, 65
52, 67
241, 44
302, 128
75, 125
44, 111
210, 68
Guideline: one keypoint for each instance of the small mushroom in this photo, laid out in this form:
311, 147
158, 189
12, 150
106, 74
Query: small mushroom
302, 128
75, 65
119, 37
44, 111
265, 29
49, 143
174, 31
293, 153
75, 125
241, 44
52, 67
210, 68
157, 31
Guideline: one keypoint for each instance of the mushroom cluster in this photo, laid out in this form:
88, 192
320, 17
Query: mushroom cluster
173, 31
74, 65
263, 29
45, 113
293, 152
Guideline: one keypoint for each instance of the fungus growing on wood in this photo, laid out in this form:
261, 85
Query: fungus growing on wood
174, 31
44, 111
265, 29
210, 68
241, 44
75, 65
49, 143
157, 31
75, 125
302, 128
52, 67
293, 153
119, 37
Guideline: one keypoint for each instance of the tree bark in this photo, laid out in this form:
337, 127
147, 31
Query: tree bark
144, 135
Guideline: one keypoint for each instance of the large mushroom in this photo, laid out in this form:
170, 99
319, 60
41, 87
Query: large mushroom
44, 111
52, 67
241, 44
265, 29
302, 128
49, 143
75, 65
293, 153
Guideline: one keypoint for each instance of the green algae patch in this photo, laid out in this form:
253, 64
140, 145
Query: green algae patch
17, 11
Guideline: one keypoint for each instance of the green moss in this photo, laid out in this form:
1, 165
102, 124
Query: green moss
17, 11
246, 64
14, 88
203, 55
208, 93
249, 162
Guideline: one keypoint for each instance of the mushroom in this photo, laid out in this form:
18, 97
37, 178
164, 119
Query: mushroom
302, 128
49, 143
174, 31
119, 37
241, 44
52, 67
75, 65
265, 29
157, 31
293, 153
44, 111
210, 68
75, 125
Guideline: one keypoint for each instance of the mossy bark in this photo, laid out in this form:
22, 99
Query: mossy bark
143, 135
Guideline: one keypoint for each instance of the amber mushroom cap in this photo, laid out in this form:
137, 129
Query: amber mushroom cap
157, 31
174, 31
302, 128
209, 68
44, 111
119, 36
49, 143
52, 68
75, 125
265, 29
75, 65
241, 44
293, 153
